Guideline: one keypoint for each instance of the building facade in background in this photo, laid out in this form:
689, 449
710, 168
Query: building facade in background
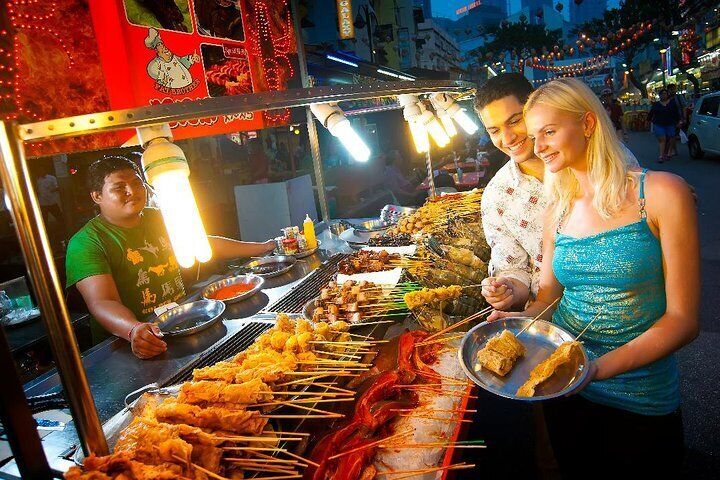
586, 11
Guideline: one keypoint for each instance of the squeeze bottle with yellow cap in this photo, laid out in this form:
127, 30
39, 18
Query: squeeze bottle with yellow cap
309, 232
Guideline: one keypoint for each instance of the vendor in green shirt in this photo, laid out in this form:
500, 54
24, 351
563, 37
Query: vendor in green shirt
122, 262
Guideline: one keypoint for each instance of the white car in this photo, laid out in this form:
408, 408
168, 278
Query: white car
704, 132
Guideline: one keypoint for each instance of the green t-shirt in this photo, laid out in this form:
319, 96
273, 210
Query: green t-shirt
140, 259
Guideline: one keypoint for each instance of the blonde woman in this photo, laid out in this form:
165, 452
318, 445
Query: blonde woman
620, 247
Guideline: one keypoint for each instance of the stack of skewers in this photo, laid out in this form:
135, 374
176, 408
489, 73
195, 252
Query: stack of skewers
359, 302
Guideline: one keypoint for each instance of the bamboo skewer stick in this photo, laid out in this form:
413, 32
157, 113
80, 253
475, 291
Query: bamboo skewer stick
279, 477
253, 449
438, 340
538, 316
204, 470
310, 409
332, 415
448, 420
271, 460
337, 354
302, 459
460, 323
411, 473
432, 410
370, 445
300, 380
307, 400
588, 325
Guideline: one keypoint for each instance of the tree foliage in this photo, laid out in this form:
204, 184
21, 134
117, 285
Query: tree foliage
665, 16
518, 39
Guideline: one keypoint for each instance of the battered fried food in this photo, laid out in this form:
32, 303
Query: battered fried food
238, 421
247, 393
501, 352
427, 296
563, 355
122, 465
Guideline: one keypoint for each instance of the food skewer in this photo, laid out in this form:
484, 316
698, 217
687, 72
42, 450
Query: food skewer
538, 316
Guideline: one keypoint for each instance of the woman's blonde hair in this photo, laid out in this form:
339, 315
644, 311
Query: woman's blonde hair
606, 157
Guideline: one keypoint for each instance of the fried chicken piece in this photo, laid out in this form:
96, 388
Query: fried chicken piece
122, 465
237, 421
563, 355
501, 352
153, 443
284, 323
247, 393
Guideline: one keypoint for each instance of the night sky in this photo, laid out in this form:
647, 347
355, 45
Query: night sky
446, 8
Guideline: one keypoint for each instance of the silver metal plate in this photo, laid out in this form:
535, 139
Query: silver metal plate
269, 267
254, 280
540, 340
190, 318
357, 239
372, 226
307, 253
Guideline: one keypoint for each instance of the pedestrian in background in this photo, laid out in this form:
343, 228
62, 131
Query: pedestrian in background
664, 117
615, 112
679, 102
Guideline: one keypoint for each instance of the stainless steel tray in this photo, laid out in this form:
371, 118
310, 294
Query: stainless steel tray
257, 267
540, 340
190, 318
372, 226
307, 253
254, 280
357, 239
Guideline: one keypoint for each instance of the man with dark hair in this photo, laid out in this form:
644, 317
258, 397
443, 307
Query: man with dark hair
122, 262
513, 201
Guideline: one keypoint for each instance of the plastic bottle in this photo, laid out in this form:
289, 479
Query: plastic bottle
309, 231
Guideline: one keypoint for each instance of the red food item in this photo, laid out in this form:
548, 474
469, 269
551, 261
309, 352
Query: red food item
232, 291
383, 388
350, 466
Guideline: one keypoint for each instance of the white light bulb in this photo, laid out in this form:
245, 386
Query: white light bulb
448, 125
436, 131
465, 122
420, 136
347, 135
182, 218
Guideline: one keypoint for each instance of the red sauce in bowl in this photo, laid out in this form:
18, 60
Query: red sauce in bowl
232, 291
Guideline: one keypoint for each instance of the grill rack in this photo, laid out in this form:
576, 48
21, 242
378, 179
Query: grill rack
230, 347
309, 288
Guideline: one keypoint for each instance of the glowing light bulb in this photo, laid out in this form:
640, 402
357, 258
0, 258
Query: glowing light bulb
465, 122
182, 218
168, 173
420, 136
347, 135
448, 125
434, 129
333, 118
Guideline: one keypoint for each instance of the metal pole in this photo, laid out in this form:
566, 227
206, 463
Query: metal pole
17, 419
431, 177
27, 216
311, 127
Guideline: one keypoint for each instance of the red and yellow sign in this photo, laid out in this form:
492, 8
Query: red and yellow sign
86, 57
345, 19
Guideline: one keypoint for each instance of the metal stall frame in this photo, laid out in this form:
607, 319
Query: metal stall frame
25, 210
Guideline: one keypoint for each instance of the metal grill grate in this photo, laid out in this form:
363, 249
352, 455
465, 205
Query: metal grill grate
233, 345
309, 288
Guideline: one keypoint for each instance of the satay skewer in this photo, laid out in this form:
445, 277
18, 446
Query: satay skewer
537, 317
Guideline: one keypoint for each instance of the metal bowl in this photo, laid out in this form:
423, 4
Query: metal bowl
393, 213
540, 340
307, 253
372, 226
190, 318
254, 280
269, 267
356, 239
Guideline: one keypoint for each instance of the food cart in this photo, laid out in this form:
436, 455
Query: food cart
76, 374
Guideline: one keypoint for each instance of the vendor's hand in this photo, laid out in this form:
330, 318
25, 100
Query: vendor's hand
145, 341
269, 246
499, 292
592, 373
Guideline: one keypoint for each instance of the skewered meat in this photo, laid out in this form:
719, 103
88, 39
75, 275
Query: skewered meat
121, 465
463, 256
248, 393
366, 261
400, 240
566, 353
427, 296
238, 421
500, 353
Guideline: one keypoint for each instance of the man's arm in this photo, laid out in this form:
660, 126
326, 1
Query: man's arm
227, 248
509, 262
103, 300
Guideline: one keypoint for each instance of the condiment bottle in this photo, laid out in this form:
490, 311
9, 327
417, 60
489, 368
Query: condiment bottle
309, 231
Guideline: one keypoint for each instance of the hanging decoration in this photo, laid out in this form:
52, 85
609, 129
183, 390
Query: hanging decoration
27, 21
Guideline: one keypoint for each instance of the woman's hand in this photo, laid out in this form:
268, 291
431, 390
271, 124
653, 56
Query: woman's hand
499, 292
592, 375
498, 315
145, 340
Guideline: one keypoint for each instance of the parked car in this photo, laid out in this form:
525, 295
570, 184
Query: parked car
704, 131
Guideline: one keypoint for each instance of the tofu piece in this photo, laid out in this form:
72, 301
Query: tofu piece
495, 362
